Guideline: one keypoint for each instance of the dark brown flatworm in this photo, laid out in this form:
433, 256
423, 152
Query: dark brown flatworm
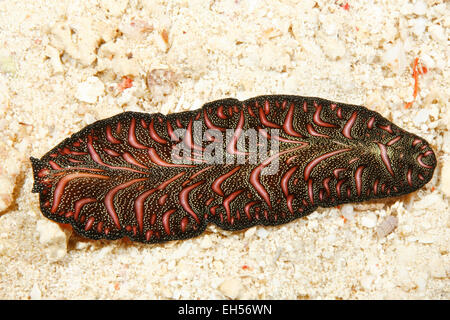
267, 160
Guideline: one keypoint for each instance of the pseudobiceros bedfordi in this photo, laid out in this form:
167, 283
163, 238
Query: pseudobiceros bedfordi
267, 160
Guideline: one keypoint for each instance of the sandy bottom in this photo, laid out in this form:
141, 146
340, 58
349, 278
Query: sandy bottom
66, 64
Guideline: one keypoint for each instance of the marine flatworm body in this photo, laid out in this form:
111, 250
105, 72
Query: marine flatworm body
267, 160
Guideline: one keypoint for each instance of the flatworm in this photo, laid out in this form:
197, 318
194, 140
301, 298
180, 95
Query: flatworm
155, 178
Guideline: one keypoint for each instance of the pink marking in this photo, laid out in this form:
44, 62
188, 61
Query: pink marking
289, 200
220, 113
185, 183
154, 135
254, 176
305, 107
130, 159
419, 160
178, 123
43, 172
346, 131
265, 122
310, 191
333, 106
60, 186
99, 227
317, 120
339, 113
213, 210
250, 111
175, 156
172, 135
238, 215
79, 204
118, 128
109, 199
143, 124
111, 152
358, 179
416, 141
110, 137
395, 140
386, 128
89, 223
184, 222
75, 153
54, 165
326, 185
264, 133
231, 147
199, 172
165, 220
208, 202
169, 181
266, 107
148, 235
216, 185
132, 140
385, 158
375, 187
228, 200
421, 177
211, 125
153, 219
370, 123
162, 200
154, 157
139, 207
290, 159
288, 123
353, 160
188, 139
247, 209
312, 164
284, 104
338, 187
314, 133
94, 155
184, 199
285, 180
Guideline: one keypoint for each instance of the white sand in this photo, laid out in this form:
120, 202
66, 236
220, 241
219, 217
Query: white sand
60, 67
